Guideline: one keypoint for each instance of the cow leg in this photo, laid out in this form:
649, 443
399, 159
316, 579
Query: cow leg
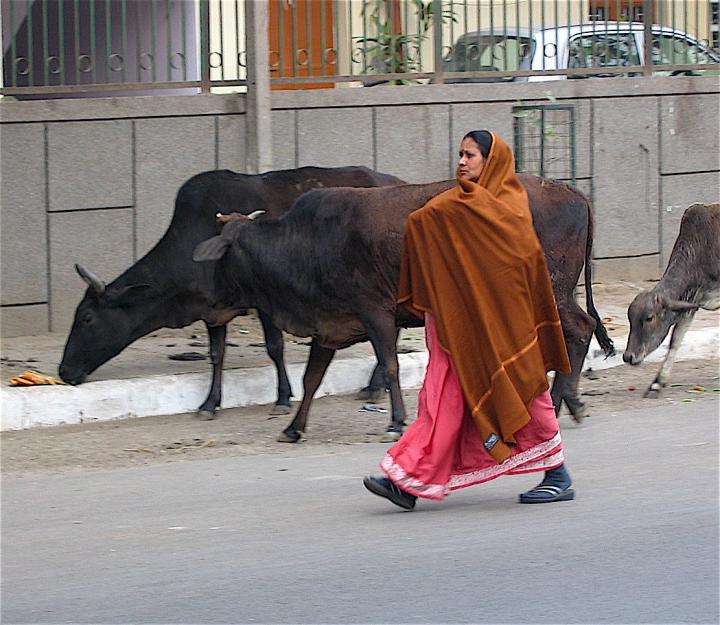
378, 383
383, 336
663, 375
276, 350
209, 407
376, 386
317, 365
578, 328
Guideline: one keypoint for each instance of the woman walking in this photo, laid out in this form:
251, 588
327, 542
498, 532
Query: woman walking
474, 268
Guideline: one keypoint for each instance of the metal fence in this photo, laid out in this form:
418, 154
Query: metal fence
71, 47
78, 47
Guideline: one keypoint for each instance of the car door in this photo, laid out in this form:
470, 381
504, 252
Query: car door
599, 48
673, 48
489, 52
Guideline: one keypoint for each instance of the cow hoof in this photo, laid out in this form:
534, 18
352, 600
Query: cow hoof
291, 436
390, 437
578, 410
205, 415
652, 393
280, 409
367, 394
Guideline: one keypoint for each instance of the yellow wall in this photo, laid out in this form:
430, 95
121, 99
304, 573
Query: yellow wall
691, 16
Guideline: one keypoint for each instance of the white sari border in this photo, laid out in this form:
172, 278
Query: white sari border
531, 460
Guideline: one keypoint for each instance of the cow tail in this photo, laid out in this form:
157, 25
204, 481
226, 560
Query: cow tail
606, 343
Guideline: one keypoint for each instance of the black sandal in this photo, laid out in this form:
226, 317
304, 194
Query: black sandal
547, 493
383, 487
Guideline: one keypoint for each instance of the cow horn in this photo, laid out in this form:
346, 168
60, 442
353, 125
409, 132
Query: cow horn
91, 279
255, 214
677, 305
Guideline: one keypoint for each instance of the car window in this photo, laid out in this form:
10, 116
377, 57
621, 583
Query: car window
674, 50
603, 49
490, 53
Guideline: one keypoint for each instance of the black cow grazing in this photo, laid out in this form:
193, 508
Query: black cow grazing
336, 278
166, 288
691, 280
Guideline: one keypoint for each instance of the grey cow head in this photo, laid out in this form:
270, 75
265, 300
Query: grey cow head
104, 325
651, 315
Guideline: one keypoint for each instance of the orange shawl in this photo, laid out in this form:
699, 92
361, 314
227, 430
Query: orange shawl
472, 259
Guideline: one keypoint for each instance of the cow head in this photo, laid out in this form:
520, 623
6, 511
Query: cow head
215, 247
104, 325
651, 315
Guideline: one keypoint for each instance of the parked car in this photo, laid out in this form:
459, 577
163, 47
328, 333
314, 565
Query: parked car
592, 45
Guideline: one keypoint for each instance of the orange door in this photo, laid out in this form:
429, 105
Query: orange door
302, 41
619, 10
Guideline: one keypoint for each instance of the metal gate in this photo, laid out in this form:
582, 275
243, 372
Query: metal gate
545, 140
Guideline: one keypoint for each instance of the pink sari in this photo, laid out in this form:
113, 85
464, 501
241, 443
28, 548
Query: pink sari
443, 450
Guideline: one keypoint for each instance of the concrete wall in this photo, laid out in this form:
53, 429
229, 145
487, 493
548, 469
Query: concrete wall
94, 181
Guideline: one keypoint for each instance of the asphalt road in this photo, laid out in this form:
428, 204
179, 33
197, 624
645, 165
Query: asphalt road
294, 538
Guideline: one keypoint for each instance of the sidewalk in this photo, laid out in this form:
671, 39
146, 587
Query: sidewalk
144, 381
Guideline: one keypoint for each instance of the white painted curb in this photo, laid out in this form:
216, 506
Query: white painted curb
178, 393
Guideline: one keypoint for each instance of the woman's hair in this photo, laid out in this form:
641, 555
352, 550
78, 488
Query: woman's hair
483, 138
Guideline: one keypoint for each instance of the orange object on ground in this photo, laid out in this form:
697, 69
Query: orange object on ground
33, 378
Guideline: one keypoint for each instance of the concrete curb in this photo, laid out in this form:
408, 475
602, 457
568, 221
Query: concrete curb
179, 393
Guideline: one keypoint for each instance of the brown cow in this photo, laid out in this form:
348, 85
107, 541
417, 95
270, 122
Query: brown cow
691, 280
329, 268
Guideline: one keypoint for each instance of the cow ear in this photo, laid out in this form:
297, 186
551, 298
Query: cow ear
679, 306
212, 249
127, 295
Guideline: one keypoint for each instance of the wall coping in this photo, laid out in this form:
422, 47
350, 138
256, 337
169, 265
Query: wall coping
136, 107
129, 107
505, 92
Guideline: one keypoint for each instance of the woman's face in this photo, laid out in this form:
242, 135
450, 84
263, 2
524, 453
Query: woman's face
471, 161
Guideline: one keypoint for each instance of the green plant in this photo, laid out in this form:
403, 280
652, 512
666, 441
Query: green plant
390, 50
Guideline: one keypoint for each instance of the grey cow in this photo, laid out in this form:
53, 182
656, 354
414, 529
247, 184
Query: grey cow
691, 281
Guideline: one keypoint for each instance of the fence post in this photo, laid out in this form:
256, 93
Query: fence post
647, 37
2, 60
437, 41
258, 113
204, 46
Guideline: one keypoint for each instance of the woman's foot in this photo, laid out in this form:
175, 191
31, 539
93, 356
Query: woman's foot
383, 487
555, 487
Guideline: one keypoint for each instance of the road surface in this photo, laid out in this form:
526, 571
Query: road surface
293, 537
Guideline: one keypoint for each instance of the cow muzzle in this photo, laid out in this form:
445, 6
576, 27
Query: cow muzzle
71, 377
